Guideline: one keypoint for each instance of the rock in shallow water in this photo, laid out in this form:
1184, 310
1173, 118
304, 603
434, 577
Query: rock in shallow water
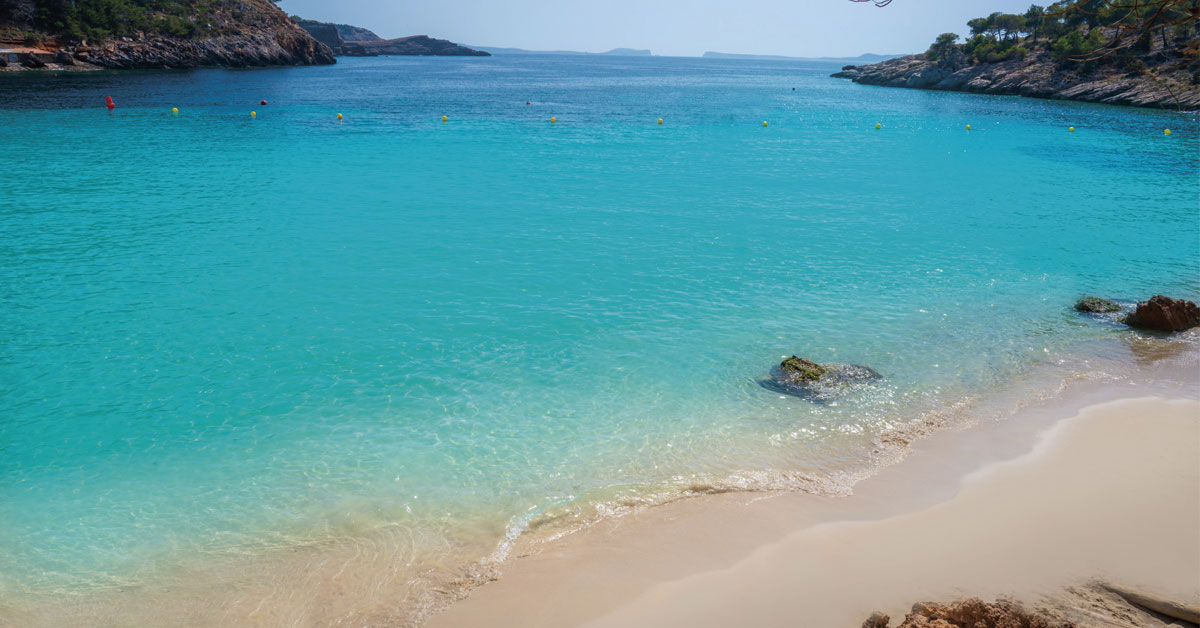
820, 383
799, 368
1164, 314
1096, 305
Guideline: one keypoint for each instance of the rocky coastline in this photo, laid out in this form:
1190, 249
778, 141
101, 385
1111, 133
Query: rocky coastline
352, 41
1037, 75
257, 34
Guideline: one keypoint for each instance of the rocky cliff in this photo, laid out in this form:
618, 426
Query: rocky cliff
230, 33
355, 33
415, 45
335, 35
341, 39
1160, 71
1038, 76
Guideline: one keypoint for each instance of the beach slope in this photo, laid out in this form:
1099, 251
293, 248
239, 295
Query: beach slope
1111, 493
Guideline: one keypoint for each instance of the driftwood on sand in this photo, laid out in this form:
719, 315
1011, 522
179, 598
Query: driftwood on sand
1160, 605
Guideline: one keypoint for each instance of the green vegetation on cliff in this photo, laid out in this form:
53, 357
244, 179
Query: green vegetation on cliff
104, 19
1078, 32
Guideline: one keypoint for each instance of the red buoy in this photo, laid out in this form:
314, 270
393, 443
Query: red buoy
527, 102
262, 102
108, 102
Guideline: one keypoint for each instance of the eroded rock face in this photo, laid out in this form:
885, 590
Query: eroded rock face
408, 46
972, 613
1038, 74
252, 33
1096, 305
1164, 314
283, 47
820, 383
323, 32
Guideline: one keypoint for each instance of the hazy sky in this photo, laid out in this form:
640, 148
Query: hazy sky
809, 28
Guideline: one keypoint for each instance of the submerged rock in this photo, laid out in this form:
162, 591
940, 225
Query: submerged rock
1164, 314
806, 379
799, 368
1096, 305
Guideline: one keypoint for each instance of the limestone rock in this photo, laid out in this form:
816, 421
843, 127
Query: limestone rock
819, 383
1040, 75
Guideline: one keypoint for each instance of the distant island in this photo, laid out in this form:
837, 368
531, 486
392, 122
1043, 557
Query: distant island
615, 52
119, 34
354, 41
863, 58
1057, 53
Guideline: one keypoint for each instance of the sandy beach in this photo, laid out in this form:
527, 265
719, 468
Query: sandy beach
1030, 509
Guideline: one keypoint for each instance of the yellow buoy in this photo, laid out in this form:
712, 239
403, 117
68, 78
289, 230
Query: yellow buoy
553, 120
968, 127
443, 118
253, 114
878, 126
660, 122
339, 116
175, 110
1166, 131
1071, 129
764, 123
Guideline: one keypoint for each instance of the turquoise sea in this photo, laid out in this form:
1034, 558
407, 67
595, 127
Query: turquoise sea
243, 358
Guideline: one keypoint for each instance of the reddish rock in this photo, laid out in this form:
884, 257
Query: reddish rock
1164, 314
971, 613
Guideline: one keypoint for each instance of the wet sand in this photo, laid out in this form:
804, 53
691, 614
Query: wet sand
1023, 508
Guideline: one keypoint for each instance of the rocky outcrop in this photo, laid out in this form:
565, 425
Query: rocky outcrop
416, 45
820, 383
258, 49
335, 35
1164, 314
242, 34
1037, 74
323, 32
356, 33
1096, 305
971, 613
352, 41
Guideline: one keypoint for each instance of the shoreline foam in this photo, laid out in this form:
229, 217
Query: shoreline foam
263, 590
709, 563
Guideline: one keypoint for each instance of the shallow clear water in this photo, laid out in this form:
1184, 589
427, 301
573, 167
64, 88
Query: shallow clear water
224, 336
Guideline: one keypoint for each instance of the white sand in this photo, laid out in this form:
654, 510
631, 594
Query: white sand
1113, 492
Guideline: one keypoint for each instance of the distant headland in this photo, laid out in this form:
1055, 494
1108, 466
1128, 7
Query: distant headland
615, 52
1054, 53
354, 41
